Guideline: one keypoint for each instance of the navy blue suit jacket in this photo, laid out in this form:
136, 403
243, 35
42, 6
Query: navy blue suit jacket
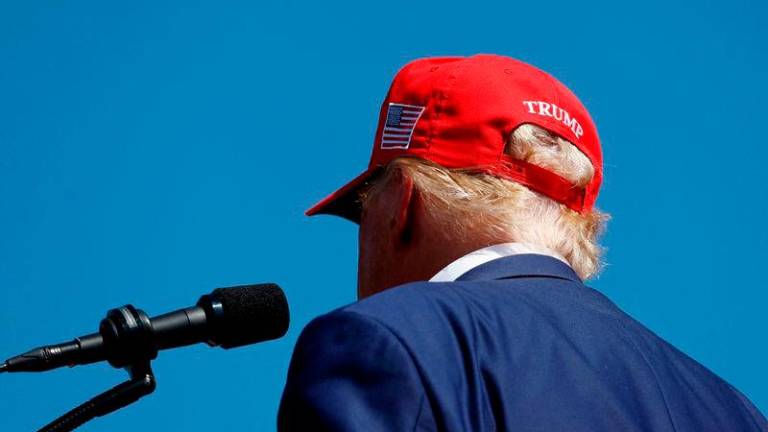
516, 344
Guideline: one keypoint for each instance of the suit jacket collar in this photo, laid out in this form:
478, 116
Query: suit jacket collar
518, 266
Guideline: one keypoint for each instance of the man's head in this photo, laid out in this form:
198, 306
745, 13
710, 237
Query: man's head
472, 152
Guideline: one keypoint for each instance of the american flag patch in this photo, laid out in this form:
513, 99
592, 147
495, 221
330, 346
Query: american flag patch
398, 129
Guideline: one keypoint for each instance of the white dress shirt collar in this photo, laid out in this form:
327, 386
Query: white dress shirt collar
481, 256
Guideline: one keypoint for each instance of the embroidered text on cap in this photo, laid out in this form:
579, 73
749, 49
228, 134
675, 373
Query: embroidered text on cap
551, 110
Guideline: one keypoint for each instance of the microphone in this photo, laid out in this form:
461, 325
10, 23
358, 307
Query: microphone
227, 317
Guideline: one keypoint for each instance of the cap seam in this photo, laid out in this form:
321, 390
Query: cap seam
451, 78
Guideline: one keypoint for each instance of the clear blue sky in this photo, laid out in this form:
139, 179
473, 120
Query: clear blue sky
152, 151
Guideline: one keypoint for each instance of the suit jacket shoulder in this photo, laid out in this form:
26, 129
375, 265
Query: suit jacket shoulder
516, 344
351, 373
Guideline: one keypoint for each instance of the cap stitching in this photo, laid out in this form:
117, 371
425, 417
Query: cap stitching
442, 97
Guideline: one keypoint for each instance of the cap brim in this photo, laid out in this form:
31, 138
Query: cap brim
345, 201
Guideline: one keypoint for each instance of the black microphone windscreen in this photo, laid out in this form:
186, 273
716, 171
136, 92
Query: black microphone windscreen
251, 314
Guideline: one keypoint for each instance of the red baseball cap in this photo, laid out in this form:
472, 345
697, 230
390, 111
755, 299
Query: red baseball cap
459, 112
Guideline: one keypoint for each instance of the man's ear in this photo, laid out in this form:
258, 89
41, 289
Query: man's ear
405, 201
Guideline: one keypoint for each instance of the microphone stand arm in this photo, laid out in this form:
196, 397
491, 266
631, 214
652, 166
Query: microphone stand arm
140, 384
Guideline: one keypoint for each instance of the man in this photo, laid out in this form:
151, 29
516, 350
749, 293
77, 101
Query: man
477, 228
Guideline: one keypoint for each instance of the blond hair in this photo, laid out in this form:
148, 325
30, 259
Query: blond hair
475, 205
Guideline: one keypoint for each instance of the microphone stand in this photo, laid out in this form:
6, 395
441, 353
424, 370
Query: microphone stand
141, 383
136, 349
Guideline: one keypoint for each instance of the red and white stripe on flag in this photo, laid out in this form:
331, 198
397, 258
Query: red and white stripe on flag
398, 128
